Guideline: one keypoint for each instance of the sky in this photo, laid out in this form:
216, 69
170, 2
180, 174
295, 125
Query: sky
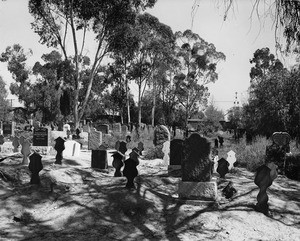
238, 38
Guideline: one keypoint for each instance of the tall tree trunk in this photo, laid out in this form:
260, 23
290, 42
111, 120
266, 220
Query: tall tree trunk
154, 103
139, 105
127, 101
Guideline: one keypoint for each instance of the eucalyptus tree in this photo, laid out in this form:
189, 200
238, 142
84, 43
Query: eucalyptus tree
198, 65
61, 22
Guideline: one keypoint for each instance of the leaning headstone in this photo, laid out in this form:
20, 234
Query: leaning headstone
128, 138
196, 170
176, 155
35, 166
223, 167
25, 151
104, 128
99, 158
130, 170
166, 152
94, 139
117, 163
123, 147
59, 147
16, 143
231, 159
265, 175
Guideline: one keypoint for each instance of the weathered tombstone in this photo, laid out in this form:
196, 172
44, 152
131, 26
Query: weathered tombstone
66, 128
292, 166
221, 140
8, 128
229, 190
196, 170
16, 143
123, 147
130, 170
117, 127
104, 128
231, 159
59, 147
161, 135
141, 148
216, 143
99, 158
35, 166
25, 151
124, 129
72, 148
176, 155
265, 175
222, 168
166, 152
277, 151
41, 136
94, 139
117, 163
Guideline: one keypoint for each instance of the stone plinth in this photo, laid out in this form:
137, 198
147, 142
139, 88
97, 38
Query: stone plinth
206, 191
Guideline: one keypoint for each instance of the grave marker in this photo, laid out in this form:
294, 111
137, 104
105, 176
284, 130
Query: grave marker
72, 148
59, 147
41, 136
16, 143
130, 170
94, 139
118, 163
176, 155
25, 151
35, 166
99, 158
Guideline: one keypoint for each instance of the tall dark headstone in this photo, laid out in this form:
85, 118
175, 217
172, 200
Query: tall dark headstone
130, 170
117, 163
123, 147
196, 163
99, 158
176, 151
264, 177
223, 167
41, 136
1, 140
59, 147
35, 166
16, 143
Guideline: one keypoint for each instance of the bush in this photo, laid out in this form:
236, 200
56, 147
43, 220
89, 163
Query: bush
154, 153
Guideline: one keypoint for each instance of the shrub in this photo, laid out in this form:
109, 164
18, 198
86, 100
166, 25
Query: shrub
154, 153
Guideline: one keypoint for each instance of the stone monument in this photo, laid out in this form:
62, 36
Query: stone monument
35, 166
130, 170
117, 163
176, 156
59, 147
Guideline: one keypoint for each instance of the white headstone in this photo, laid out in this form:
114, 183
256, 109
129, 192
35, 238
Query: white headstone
72, 148
166, 151
231, 159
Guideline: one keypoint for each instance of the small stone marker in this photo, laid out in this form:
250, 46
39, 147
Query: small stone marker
128, 139
292, 166
117, 163
25, 151
35, 166
231, 159
221, 140
223, 167
16, 143
265, 175
59, 147
229, 190
130, 170
99, 158
140, 147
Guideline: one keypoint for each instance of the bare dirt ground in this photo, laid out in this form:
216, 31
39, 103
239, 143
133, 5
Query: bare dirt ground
92, 205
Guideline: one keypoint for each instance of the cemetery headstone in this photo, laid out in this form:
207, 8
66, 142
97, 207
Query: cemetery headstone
166, 152
117, 163
25, 151
176, 155
197, 180
229, 190
16, 143
41, 136
141, 148
1, 141
117, 145
292, 166
8, 128
59, 147
117, 128
99, 158
123, 147
223, 167
264, 177
161, 135
128, 139
72, 148
231, 159
216, 143
35, 166
94, 139
130, 170
104, 128
196, 164
221, 140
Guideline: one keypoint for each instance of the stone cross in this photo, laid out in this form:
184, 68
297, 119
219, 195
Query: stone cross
59, 147
264, 177
196, 163
35, 166
231, 159
25, 151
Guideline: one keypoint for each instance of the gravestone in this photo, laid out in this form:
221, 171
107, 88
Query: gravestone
128, 139
25, 151
197, 181
130, 170
223, 167
176, 155
21, 140
292, 166
141, 148
221, 140
117, 128
231, 159
117, 163
41, 136
117, 145
264, 177
229, 190
72, 149
161, 135
104, 128
16, 143
59, 147
124, 129
94, 139
35, 166
8, 128
166, 152
1, 141
216, 143
123, 147
99, 158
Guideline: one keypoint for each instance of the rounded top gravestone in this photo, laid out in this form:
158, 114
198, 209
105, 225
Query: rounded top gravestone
161, 135
196, 163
